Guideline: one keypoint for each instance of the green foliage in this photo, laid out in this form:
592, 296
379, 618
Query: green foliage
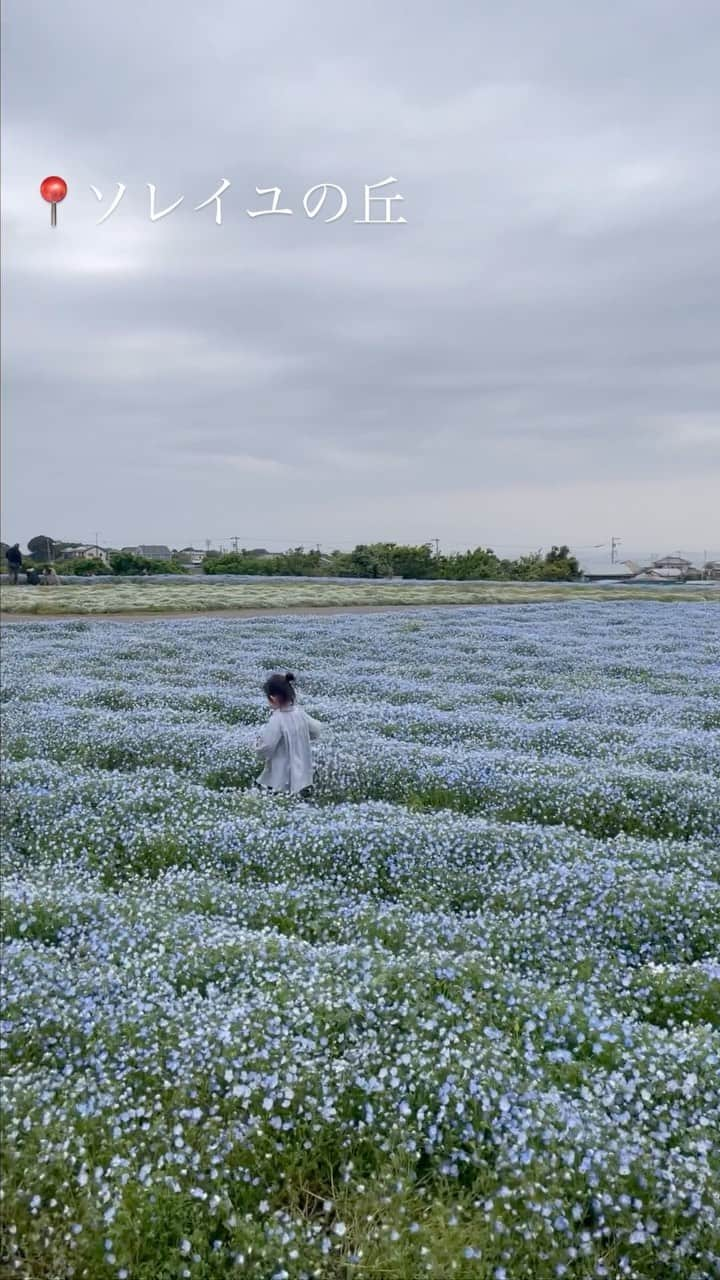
393, 560
295, 563
83, 568
559, 565
125, 562
366, 561
374, 560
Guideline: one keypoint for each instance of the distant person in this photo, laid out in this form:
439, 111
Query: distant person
284, 742
13, 555
32, 577
50, 578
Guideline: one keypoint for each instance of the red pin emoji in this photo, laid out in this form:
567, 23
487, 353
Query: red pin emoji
53, 190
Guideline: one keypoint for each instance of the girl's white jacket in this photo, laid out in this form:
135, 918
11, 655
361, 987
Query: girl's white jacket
284, 744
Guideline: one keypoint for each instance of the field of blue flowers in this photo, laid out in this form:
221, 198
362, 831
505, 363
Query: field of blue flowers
458, 1017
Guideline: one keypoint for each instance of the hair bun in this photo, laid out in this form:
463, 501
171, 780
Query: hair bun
289, 677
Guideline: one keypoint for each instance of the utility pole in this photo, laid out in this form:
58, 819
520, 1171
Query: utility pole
614, 544
437, 547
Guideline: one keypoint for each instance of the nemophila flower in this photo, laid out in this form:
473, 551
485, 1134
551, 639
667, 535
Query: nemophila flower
486, 960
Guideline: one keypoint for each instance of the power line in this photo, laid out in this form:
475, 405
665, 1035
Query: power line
258, 539
277, 544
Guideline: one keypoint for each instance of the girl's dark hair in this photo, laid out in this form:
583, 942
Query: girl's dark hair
282, 687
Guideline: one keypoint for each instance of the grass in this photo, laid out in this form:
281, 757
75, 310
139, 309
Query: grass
93, 599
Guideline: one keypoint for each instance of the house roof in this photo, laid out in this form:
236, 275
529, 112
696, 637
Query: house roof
671, 562
152, 552
609, 570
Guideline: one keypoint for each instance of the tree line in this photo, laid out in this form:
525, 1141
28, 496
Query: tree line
395, 560
366, 560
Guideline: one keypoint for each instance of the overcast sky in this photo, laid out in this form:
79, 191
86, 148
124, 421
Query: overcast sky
532, 357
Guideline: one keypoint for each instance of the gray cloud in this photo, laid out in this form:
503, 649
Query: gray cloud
532, 357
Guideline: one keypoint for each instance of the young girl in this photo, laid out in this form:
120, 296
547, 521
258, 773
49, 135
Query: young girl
284, 742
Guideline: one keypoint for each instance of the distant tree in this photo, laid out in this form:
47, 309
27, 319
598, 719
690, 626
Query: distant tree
480, 563
413, 562
83, 568
365, 561
300, 563
240, 562
296, 562
127, 563
42, 548
560, 564
368, 562
387, 559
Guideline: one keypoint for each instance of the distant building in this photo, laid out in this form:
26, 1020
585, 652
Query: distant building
711, 569
149, 552
190, 557
672, 569
85, 552
676, 564
611, 572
